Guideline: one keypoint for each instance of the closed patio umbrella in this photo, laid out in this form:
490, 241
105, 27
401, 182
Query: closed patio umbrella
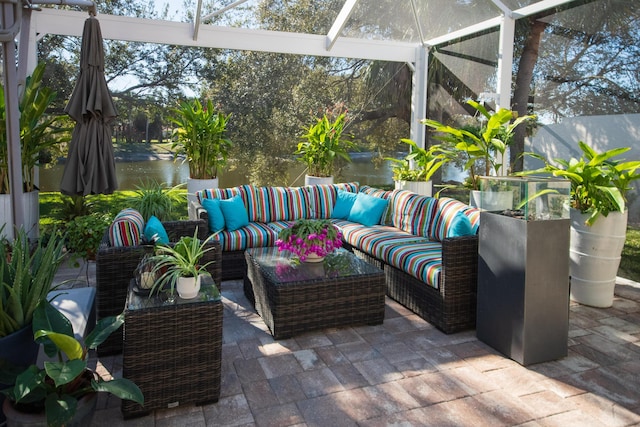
90, 166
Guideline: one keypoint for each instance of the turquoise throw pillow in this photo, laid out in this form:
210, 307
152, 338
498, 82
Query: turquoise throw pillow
344, 203
367, 210
155, 231
460, 226
214, 213
234, 212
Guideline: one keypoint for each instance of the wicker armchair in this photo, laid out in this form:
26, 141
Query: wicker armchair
115, 268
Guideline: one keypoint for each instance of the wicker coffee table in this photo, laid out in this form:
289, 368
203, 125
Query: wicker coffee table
172, 351
293, 297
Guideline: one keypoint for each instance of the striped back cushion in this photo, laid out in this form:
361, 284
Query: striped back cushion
321, 198
413, 213
127, 228
281, 203
447, 210
386, 218
246, 192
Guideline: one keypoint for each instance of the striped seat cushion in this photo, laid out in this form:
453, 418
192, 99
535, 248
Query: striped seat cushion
374, 240
422, 260
246, 192
413, 213
127, 228
254, 235
322, 198
446, 212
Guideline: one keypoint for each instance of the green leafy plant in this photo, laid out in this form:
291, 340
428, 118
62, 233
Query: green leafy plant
599, 183
200, 137
426, 161
27, 273
180, 260
56, 388
152, 198
322, 143
38, 131
84, 234
487, 146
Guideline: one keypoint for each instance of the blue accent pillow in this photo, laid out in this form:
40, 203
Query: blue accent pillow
367, 210
344, 203
460, 226
216, 219
234, 212
154, 231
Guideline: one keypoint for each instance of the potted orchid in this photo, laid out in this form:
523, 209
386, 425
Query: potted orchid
310, 239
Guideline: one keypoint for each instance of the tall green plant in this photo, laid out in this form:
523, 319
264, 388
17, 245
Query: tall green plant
152, 198
426, 162
599, 183
38, 131
26, 275
322, 143
488, 146
200, 137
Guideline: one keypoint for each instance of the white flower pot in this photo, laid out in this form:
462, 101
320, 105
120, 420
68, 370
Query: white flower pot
31, 209
595, 254
424, 188
317, 180
188, 287
194, 185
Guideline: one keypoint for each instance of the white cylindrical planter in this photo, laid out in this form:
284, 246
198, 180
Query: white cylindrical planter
595, 257
424, 188
317, 180
194, 185
188, 287
31, 209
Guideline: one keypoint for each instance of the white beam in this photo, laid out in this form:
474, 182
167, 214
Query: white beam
538, 7
340, 22
503, 8
53, 21
419, 82
467, 31
505, 70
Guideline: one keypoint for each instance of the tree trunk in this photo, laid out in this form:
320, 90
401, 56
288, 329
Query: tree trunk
520, 99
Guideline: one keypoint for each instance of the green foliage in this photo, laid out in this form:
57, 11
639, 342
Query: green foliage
321, 145
488, 146
630, 260
599, 184
152, 198
38, 131
60, 384
427, 162
26, 272
180, 260
200, 136
74, 206
84, 234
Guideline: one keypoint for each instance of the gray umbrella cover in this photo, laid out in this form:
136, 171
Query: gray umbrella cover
90, 167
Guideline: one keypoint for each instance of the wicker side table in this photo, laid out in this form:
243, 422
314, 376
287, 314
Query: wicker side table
172, 351
293, 297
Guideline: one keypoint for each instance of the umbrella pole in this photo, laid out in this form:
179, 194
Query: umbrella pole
10, 28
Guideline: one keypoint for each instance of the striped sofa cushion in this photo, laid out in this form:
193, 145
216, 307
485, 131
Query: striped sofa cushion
247, 192
126, 229
422, 260
446, 212
322, 198
386, 218
254, 235
281, 203
413, 213
375, 240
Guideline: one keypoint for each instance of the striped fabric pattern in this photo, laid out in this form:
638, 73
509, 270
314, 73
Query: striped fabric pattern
422, 260
413, 213
447, 210
386, 218
377, 239
278, 226
321, 198
281, 203
254, 235
126, 229
247, 192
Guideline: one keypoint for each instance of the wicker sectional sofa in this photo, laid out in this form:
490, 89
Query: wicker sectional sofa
430, 267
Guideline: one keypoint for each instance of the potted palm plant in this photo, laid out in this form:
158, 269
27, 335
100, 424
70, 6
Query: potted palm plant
599, 186
322, 144
38, 132
200, 135
64, 391
483, 148
426, 162
178, 267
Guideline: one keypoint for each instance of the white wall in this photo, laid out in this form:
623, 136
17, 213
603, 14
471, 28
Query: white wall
600, 132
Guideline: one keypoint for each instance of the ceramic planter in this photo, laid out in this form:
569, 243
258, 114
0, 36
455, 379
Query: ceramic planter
31, 207
194, 185
595, 257
188, 287
424, 188
317, 180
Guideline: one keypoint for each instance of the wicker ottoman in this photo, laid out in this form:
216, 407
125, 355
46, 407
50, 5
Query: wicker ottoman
172, 351
293, 297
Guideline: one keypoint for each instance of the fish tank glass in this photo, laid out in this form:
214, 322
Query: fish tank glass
531, 198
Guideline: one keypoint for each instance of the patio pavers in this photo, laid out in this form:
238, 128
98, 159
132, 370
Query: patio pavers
406, 372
